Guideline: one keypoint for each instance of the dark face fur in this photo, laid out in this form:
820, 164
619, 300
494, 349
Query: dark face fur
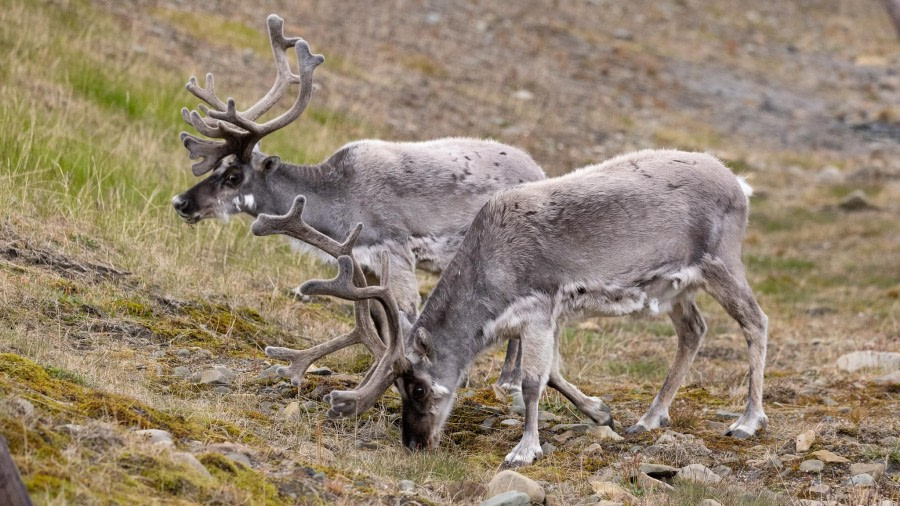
426, 406
233, 187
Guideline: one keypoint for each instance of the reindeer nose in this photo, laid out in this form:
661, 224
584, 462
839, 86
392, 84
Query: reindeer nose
179, 203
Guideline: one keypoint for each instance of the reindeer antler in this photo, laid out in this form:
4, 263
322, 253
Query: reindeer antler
238, 129
350, 284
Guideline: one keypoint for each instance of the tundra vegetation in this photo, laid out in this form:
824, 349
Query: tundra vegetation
114, 315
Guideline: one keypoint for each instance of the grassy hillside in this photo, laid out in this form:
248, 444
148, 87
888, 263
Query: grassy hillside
106, 297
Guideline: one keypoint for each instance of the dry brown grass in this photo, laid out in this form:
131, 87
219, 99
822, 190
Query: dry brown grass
89, 98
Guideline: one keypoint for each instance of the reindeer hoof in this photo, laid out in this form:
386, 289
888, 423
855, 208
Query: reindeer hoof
738, 434
636, 429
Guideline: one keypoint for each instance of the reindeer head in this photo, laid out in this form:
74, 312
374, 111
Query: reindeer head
239, 168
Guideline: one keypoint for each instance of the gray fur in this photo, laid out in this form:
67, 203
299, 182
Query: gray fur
640, 233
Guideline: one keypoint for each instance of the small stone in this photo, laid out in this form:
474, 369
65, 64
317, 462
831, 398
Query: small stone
290, 412
651, 484
722, 470
320, 476
710, 502
190, 461
856, 201
461, 491
508, 480
623, 34
203, 354
216, 375
829, 174
577, 428
240, 458
222, 390
433, 18
874, 469
605, 432
517, 407
610, 490
869, 359
406, 485
269, 373
523, 95
23, 407
488, 423
665, 439
511, 498
698, 473
510, 422
156, 436
829, 457
183, 353
562, 438
862, 480
659, 471
727, 415
548, 449
889, 441
812, 466
820, 490
891, 379
181, 372
804, 440
593, 449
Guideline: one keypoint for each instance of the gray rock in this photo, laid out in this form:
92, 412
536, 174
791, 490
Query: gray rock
576, 428
862, 480
623, 34
856, 201
812, 466
523, 95
462, 491
698, 473
191, 462
183, 353
222, 390
722, 470
156, 436
269, 373
23, 407
319, 371
659, 470
548, 449
592, 450
240, 458
605, 432
710, 502
406, 485
181, 372
648, 483
889, 379
290, 412
203, 354
511, 498
511, 422
665, 439
820, 490
829, 174
488, 423
218, 375
563, 437
874, 469
869, 359
804, 440
507, 480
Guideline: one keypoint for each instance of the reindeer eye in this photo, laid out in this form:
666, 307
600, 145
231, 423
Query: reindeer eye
233, 179
418, 392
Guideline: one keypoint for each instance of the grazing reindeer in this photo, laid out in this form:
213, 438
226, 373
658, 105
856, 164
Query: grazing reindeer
416, 199
640, 233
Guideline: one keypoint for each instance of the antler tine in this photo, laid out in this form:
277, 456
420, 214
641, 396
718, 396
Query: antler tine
207, 94
283, 75
292, 224
210, 151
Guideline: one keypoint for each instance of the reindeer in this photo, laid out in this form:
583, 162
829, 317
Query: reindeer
416, 199
638, 234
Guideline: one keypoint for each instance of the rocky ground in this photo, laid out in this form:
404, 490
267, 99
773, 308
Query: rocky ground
131, 368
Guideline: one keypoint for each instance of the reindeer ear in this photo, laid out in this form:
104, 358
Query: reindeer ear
268, 165
423, 345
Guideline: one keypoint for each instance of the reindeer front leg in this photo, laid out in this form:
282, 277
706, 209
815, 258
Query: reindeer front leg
537, 359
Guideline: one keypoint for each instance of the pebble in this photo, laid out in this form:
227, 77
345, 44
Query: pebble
23, 407
604, 432
874, 469
812, 466
562, 438
181, 372
523, 95
857, 200
577, 428
829, 457
508, 480
406, 485
820, 490
156, 436
699, 473
804, 440
856, 360
548, 449
461, 491
593, 449
289, 412
319, 371
649, 483
488, 423
862, 480
665, 439
222, 390
183, 353
240, 458
203, 354
217, 375
659, 470
191, 461
511, 422
511, 498
710, 502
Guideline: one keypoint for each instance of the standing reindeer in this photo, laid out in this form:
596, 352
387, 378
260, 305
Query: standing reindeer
640, 233
416, 199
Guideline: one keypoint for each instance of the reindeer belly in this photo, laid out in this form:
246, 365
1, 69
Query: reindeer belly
433, 253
